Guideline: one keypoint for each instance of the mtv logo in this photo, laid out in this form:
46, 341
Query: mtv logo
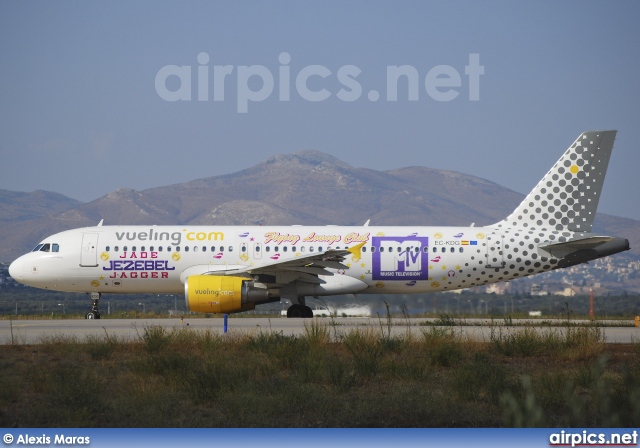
403, 256
400, 258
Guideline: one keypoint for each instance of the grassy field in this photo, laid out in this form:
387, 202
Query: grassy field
365, 378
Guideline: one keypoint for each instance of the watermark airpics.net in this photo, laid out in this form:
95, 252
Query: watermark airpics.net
593, 438
255, 83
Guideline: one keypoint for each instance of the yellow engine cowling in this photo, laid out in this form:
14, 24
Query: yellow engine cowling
222, 294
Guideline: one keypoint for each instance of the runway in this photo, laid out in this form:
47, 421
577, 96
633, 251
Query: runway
36, 331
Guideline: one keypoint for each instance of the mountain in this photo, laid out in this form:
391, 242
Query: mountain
306, 187
18, 206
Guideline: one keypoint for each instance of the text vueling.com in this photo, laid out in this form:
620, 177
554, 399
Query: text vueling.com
255, 83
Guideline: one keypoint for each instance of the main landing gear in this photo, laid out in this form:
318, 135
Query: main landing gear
296, 310
299, 309
94, 313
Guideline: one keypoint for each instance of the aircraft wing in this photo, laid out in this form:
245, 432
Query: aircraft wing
302, 268
305, 268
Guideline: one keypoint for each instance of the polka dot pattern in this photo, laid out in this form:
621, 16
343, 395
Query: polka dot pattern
560, 208
567, 197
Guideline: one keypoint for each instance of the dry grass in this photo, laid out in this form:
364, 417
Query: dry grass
364, 378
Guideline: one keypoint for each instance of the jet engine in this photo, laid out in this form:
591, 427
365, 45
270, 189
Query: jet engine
222, 294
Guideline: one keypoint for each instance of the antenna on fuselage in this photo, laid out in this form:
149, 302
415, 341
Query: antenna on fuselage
100, 223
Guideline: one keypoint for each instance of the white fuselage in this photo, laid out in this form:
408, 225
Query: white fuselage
230, 269
157, 259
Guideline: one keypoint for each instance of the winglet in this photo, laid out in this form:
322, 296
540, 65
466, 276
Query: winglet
357, 251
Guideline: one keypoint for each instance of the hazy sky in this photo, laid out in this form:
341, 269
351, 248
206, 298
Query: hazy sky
98, 96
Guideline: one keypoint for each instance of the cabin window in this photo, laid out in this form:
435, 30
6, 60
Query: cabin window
444, 249
204, 248
399, 249
133, 249
268, 248
177, 248
320, 249
221, 248
381, 249
293, 249
168, 248
124, 248
107, 249
461, 249
160, 249
230, 248
373, 249
284, 248
243, 248
116, 249
142, 249
364, 249
311, 249
302, 249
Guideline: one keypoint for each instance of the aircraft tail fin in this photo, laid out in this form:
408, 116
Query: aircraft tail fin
567, 196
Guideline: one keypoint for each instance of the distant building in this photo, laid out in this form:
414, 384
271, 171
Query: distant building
537, 290
499, 288
567, 292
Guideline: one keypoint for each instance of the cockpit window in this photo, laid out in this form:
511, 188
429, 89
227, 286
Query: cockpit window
46, 247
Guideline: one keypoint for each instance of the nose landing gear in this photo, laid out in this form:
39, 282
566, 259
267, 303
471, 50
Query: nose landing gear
94, 313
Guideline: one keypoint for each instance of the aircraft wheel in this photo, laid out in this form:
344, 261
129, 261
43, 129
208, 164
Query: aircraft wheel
295, 311
307, 312
92, 315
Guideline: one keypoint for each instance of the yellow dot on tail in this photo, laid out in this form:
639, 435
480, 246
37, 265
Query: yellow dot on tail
574, 169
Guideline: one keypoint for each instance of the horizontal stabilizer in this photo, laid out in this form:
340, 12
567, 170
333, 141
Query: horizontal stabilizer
596, 245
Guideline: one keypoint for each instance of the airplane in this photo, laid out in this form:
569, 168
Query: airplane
227, 269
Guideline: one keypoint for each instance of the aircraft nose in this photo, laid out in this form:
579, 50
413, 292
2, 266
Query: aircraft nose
18, 270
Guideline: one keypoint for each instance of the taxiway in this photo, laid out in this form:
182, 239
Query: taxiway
36, 331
